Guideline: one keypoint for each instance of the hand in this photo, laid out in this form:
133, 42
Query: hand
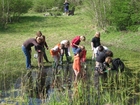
109, 69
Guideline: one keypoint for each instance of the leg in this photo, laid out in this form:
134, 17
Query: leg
96, 80
74, 50
61, 56
45, 56
66, 54
40, 59
27, 56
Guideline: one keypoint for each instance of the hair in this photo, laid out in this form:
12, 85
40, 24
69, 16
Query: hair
108, 59
39, 39
68, 43
97, 34
39, 34
100, 48
83, 38
109, 53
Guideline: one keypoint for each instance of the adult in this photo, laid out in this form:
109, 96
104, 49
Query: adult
26, 48
76, 41
95, 42
44, 44
65, 49
66, 7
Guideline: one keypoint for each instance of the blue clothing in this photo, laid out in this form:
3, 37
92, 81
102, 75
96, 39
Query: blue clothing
78, 50
27, 56
66, 7
74, 50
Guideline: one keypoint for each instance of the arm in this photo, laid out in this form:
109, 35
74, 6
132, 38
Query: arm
74, 41
92, 44
69, 51
46, 45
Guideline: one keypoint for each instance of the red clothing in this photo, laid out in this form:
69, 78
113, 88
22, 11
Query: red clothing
77, 64
76, 41
83, 55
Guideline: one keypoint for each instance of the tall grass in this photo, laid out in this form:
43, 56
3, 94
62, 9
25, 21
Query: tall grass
121, 91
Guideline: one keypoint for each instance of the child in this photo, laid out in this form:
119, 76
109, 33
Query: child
44, 44
76, 41
65, 49
55, 53
95, 42
77, 62
101, 69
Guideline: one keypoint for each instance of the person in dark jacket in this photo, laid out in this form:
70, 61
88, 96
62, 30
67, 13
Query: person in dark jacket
26, 48
102, 64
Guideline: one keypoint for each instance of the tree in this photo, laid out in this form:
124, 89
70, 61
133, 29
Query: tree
124, 15
12, 9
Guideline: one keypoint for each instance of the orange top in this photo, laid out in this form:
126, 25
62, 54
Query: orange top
76, 63
56, 50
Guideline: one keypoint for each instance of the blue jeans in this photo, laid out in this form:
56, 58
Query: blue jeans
27, 56
74, 50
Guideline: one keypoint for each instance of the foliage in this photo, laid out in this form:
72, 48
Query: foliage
12, 9
124, 15
43, 5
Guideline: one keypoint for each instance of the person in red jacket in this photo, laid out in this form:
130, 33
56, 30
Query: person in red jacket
76, 41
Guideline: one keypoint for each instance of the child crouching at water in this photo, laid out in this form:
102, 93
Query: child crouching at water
101, 69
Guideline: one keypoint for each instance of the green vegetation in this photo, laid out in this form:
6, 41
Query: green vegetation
124, 45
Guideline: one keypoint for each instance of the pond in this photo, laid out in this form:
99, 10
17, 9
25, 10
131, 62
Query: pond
123, 88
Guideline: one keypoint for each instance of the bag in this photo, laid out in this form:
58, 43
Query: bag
35, 56
117, 65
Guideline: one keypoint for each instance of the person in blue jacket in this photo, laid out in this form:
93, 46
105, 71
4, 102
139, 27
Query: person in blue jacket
66, 7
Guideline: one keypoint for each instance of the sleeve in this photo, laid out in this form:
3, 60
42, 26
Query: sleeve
35, 43
74, 41
46, 45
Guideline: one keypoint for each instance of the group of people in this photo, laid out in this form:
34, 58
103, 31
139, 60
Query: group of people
39, 44
103, 58
101, 54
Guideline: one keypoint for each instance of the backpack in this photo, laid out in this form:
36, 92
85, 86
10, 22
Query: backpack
117, 65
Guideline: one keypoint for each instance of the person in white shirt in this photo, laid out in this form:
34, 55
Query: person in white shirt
65, 49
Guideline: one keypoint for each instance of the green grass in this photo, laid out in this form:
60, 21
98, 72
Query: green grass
124, 45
